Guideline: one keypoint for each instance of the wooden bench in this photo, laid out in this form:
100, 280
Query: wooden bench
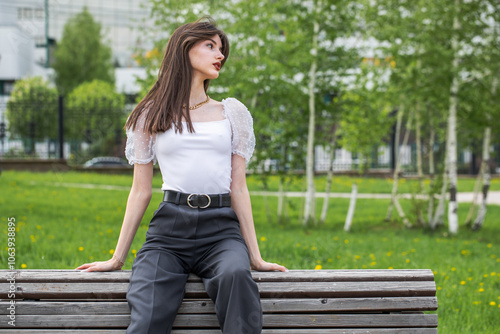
299, 301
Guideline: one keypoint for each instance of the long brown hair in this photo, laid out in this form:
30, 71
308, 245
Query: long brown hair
164, 102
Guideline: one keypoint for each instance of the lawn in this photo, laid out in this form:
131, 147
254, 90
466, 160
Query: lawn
61, 225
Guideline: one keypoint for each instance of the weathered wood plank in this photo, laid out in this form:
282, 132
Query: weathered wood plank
210, 321
216, 331
292, 305
354, 275
197, 290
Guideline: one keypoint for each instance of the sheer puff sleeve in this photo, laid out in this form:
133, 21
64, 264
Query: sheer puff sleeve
141, 146
243, 138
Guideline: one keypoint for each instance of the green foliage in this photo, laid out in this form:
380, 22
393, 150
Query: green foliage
32, 110
366, 120
95, 113
81, 55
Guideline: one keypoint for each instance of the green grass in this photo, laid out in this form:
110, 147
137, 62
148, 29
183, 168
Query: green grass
62, 227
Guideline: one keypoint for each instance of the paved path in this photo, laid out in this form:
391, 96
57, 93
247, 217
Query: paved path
493, 196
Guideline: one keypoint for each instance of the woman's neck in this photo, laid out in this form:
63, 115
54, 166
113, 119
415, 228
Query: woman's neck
197, 93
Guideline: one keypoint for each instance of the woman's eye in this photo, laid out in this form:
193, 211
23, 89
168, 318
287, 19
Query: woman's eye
210, 45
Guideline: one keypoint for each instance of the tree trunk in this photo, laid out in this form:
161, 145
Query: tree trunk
394, 195
485, 165
438, 215
310, 205
485, 168
473, 206
420, 173
281, 198
452, 132
432, 139
352, 207
324, 210
395, 176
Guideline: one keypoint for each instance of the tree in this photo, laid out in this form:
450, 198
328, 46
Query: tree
32, 111
95, 115
81, 56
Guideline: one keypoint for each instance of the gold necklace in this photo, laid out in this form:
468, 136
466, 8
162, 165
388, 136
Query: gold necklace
196, 106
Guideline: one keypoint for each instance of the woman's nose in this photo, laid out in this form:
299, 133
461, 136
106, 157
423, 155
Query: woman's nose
220, 56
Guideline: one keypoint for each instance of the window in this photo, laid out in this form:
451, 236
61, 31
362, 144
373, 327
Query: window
39, 13
25, 13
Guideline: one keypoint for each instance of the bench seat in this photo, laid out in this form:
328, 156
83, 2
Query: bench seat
296, 302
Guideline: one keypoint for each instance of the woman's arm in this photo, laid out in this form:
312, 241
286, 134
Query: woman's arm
138, 201
240, 201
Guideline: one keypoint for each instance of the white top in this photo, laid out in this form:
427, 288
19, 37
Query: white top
198, 162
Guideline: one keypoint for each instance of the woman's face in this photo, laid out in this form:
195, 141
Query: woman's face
206, 57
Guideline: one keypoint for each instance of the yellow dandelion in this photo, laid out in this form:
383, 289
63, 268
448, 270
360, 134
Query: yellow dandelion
493, 273
489, 245
24, 266
346, 241
469, 278
263, 239
111, 251
313, 248
318, 267
453, 269
481, 284
357, 257
389, 253
297, 245
462, 283
390, 268
439, 288
329, 260
477, 302
493, 303
485, 275
32, 237
134, 251
373, 263
481, 290
80, 248
38, 227
407, 260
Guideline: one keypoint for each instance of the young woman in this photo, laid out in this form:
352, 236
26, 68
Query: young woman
204, 224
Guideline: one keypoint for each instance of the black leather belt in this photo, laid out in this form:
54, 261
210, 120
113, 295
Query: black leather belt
194, 201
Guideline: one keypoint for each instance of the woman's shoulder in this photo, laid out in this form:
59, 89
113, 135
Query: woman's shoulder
234, 106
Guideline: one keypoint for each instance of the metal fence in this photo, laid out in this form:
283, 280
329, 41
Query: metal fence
62, 131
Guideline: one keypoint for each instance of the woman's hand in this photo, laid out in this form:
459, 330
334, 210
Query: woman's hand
262, 265
110, 265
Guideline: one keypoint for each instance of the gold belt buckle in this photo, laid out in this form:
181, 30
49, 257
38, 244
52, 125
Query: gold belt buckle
201, 207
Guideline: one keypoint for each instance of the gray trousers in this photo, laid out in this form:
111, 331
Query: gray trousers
207, 242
